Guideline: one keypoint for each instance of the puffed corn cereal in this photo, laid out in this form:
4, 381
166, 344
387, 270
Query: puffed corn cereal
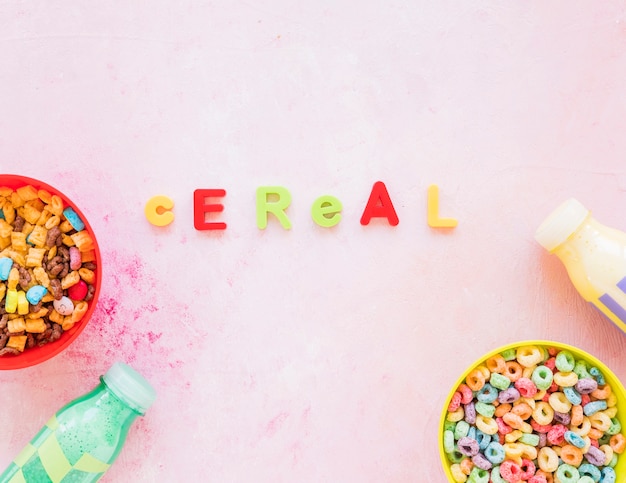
35, 237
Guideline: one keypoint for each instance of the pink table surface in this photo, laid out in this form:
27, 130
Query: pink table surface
314, 354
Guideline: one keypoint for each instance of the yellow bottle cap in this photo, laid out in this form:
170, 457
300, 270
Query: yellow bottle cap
561, 223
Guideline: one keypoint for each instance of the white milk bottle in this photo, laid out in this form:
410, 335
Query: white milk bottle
593, 254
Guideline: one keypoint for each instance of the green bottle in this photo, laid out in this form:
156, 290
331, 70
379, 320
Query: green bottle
81, 441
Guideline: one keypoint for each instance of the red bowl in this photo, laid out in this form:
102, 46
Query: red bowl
38, 354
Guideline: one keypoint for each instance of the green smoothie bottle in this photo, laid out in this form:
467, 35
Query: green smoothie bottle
81, 441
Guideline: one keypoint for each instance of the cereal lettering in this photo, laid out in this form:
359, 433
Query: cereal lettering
271, 202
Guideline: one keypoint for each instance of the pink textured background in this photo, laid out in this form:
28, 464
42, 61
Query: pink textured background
311, 355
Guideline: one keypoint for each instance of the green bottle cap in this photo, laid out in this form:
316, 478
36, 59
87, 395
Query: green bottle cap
130, 386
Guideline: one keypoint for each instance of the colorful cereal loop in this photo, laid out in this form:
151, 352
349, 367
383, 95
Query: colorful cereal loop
572, 395
513, 420
466, 466
547, 459
448, 441
523, 410
586, 385
565, 361
509, 354
574, 439
593, 407
502, 409
475, 380
543, 413
529, 452
526, 387
495, 453
487, 394
528, 469
595, 456
457, 474
513, 436
571, 455
499, 381
597, 375
496, 364
466, 394
589, 471
468, 446
485, 372
461, 430
565, 379
478, 475
511, 471
542, 377
529, 356
567, 474
512, 370
608, 453
495, 475
455, 402
610, 411
576, 416
602, 392
530, 439
618, 443
456, 415
608, 475
615, 428
581, 369
513, 451
600, 421
583, 428
485, 409
508, 396
559, 402
486, 425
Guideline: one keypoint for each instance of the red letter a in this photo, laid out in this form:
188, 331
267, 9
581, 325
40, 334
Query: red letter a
379, 206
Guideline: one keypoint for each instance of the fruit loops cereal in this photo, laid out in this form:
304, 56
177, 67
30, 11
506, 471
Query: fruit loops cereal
47, 263
535, 415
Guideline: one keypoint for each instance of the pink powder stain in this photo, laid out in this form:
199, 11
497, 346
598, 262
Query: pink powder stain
274, 425
152, 337
306, 413
106, 306
250, 383
296, 451
118, 324
148, 309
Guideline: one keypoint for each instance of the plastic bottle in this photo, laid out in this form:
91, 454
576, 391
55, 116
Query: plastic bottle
81, 441
593, 254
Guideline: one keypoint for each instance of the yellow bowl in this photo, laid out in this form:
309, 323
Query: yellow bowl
611, 379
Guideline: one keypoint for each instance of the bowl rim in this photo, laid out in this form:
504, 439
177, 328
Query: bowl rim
36, 355
615, 382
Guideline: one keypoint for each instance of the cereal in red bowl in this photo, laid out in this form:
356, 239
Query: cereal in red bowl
49, 271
